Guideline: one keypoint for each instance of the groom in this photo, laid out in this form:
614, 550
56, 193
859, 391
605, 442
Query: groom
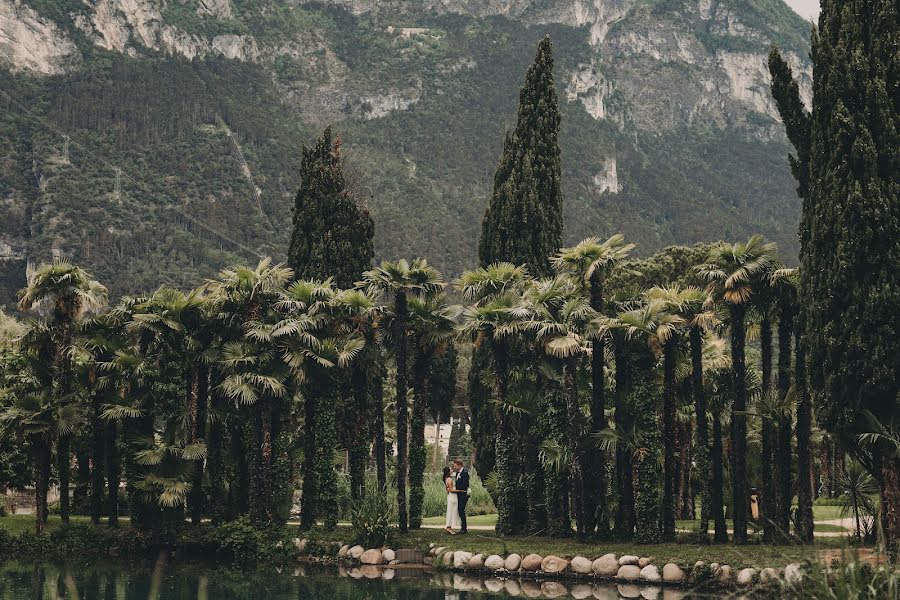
462, 492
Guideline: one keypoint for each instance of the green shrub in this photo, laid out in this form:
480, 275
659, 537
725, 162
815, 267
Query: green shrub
846, 579
372, 516
823, 501
241, 542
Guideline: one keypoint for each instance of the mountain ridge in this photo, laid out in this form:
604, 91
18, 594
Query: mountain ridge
669, 134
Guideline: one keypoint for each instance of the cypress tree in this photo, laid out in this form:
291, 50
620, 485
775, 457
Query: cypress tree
848, 167
333, 234
523, 224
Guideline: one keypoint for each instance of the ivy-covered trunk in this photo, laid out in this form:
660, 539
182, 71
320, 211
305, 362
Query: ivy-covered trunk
326, 446
717, 485
739, 423
646, 473
215, 453
199, 394
261, 496
889, 482
596, 511
625, 513
41, 449
669, 442
400, 349
484, 422
359, 447
417, 456
98, 458
111, 453
804, 437
702, 447
768, 498
506, 485
535, 483
783, 452
309, 502
573, 435
378, 443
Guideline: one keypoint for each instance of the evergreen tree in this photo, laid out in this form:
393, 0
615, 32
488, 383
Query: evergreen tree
848, 168
332, 234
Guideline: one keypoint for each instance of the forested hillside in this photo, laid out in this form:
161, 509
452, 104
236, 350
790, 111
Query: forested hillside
668, 134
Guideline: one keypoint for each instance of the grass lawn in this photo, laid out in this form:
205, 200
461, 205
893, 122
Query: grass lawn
820, 513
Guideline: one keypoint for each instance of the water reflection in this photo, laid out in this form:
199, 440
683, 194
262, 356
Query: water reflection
164, 581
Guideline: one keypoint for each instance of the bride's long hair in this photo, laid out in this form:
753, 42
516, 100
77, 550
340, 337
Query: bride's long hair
446, 473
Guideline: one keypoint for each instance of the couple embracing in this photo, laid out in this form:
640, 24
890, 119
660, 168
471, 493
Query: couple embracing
457, 484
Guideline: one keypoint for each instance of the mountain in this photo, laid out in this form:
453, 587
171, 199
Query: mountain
155, 141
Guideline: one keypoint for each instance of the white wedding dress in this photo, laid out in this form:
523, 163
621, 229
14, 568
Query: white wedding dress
452, 507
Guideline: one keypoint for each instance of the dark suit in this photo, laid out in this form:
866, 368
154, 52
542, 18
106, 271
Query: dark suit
462, 495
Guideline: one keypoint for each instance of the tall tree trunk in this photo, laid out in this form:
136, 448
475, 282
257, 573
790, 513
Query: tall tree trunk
504, 460
739, 424
401, 343
98, 458
669, 465
359, 448
310, 498
702, 450
573, 435
417, 457
63, 468
42, 459
625, 513
200, 399
768, 498
717, 485
378, 443
804, 436
112, 473
596, 511
536, 489
214, 451
889, 482
783, 454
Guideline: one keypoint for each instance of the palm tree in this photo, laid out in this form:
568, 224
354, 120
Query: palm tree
64, 293
497, 316
732, 271
431, 323
593, 261
401, 280
559, 317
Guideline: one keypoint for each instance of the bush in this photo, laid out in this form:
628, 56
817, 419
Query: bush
7, 506
372, 516
823, 501
241, 542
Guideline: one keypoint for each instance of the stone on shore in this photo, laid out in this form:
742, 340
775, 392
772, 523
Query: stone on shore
372, 557
554, 564
672, 573
356, 551
769, 575
447, 558
532, 562
299, 544
388, 555
512, 562
437, 551
644, 561
343, 551
606, 566
580, 565
494, 562
461, 559
629, 559
746, 576
651, 573
725, 574
476, 562
629, 572
793, 574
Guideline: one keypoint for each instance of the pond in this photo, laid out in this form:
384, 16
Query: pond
42, 581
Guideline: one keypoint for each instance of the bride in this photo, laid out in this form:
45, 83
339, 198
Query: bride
452, 502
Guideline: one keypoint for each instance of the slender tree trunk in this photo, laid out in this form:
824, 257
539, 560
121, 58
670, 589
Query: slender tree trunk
417, 457
63, 468
717, 487
378, 422
684, 497
112, 474
596, 511
359, 450
625, 513
263, 498
200, 399
889, 482
573, 412
739, 424
214, 452
41, 479
401, 343
702, 450
804, 435
669, 464
768, 499
98, 459
310, 499
785, 333
505, 485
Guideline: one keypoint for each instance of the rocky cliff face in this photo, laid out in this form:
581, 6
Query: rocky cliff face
666, 109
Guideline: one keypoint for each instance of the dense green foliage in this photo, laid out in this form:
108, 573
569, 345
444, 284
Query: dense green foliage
846, 165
